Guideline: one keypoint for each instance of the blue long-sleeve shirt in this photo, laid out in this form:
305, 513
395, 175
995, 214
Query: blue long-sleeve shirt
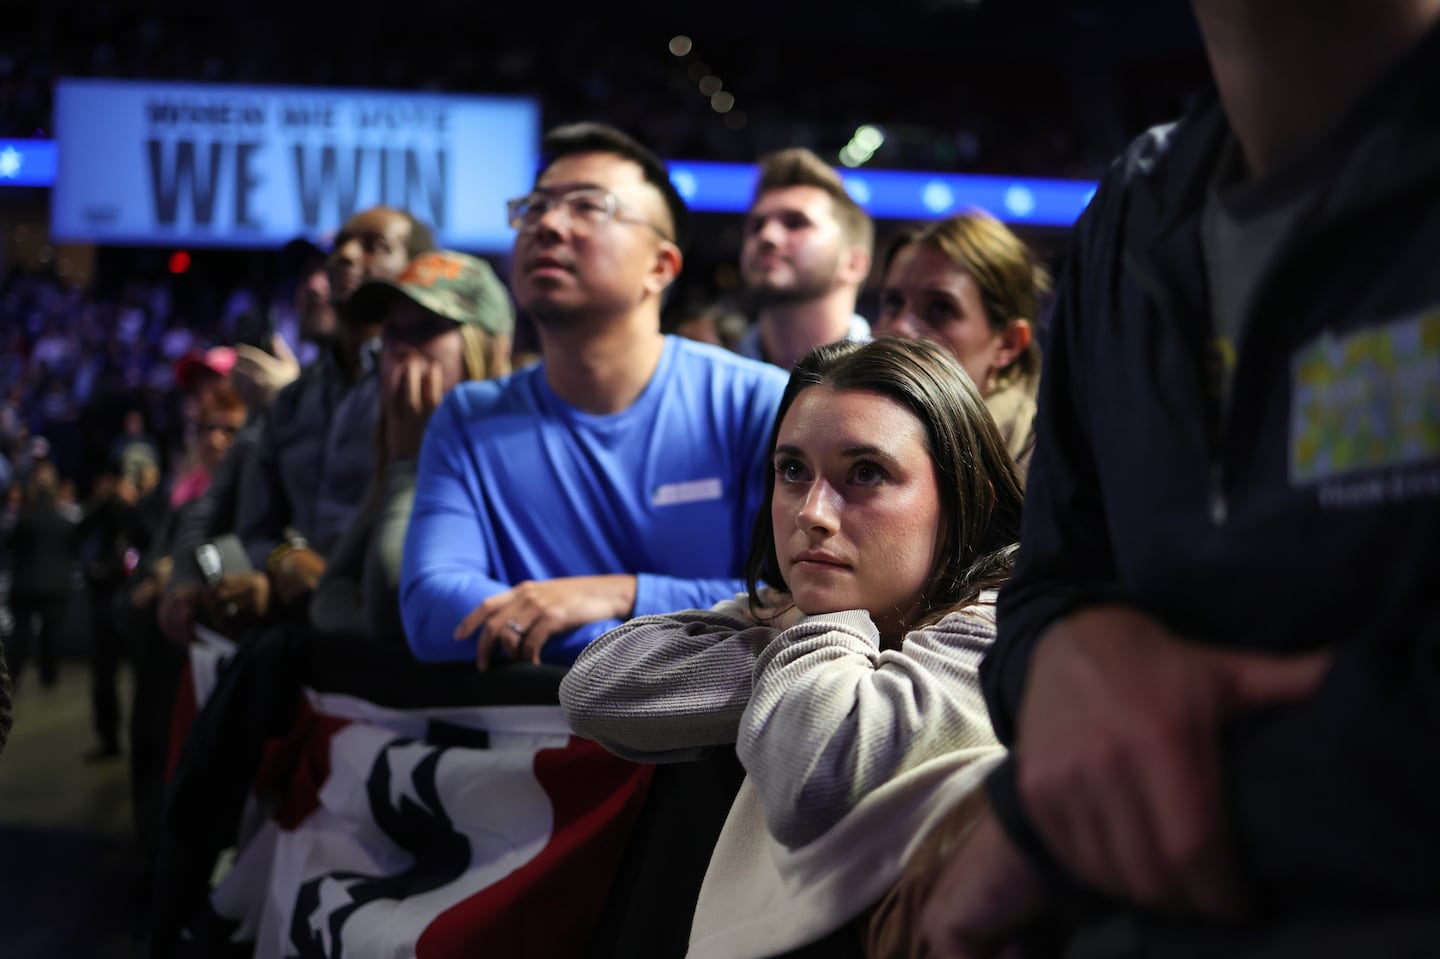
516, 484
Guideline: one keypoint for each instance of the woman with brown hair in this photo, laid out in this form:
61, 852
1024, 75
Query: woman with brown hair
970, 284
848, 683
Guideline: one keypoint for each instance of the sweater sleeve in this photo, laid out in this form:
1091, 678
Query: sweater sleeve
666, 688
832, 716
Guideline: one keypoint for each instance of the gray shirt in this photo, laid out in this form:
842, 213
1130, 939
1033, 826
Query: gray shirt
1244, 227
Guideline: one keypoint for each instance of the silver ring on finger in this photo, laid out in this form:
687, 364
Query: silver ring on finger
515, 627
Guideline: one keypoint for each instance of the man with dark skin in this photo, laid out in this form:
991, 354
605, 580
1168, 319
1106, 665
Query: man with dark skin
259, 375
307, 467
1233, 750
279, 478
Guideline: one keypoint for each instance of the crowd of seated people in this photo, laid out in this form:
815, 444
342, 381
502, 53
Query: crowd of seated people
1010, 663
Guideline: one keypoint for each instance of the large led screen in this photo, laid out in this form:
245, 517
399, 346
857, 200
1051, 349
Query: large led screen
219, 165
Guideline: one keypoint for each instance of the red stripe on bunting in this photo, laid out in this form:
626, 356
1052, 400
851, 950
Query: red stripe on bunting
548, 907
296, 765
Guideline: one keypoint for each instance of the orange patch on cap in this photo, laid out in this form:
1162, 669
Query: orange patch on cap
429, 269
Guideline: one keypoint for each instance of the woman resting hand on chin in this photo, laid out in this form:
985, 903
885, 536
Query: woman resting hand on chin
847, 678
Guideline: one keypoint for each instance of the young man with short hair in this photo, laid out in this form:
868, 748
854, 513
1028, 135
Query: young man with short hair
805, 256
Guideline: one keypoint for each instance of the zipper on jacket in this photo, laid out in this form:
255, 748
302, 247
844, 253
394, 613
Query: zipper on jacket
1219, 506
1219, 413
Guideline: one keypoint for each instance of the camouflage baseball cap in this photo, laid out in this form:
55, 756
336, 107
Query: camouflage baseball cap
454, 285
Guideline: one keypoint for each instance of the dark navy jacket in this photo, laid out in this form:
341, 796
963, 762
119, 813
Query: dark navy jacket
1309, 518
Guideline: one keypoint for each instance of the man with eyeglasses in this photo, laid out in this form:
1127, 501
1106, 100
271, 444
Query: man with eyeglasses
618, 477
805, 256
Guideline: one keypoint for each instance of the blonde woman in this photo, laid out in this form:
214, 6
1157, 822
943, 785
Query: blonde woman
446, 319
970, 284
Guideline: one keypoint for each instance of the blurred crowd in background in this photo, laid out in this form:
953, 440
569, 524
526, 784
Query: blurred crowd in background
74, 359
1026, 88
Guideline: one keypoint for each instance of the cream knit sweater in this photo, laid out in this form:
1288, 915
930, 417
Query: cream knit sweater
852, 752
